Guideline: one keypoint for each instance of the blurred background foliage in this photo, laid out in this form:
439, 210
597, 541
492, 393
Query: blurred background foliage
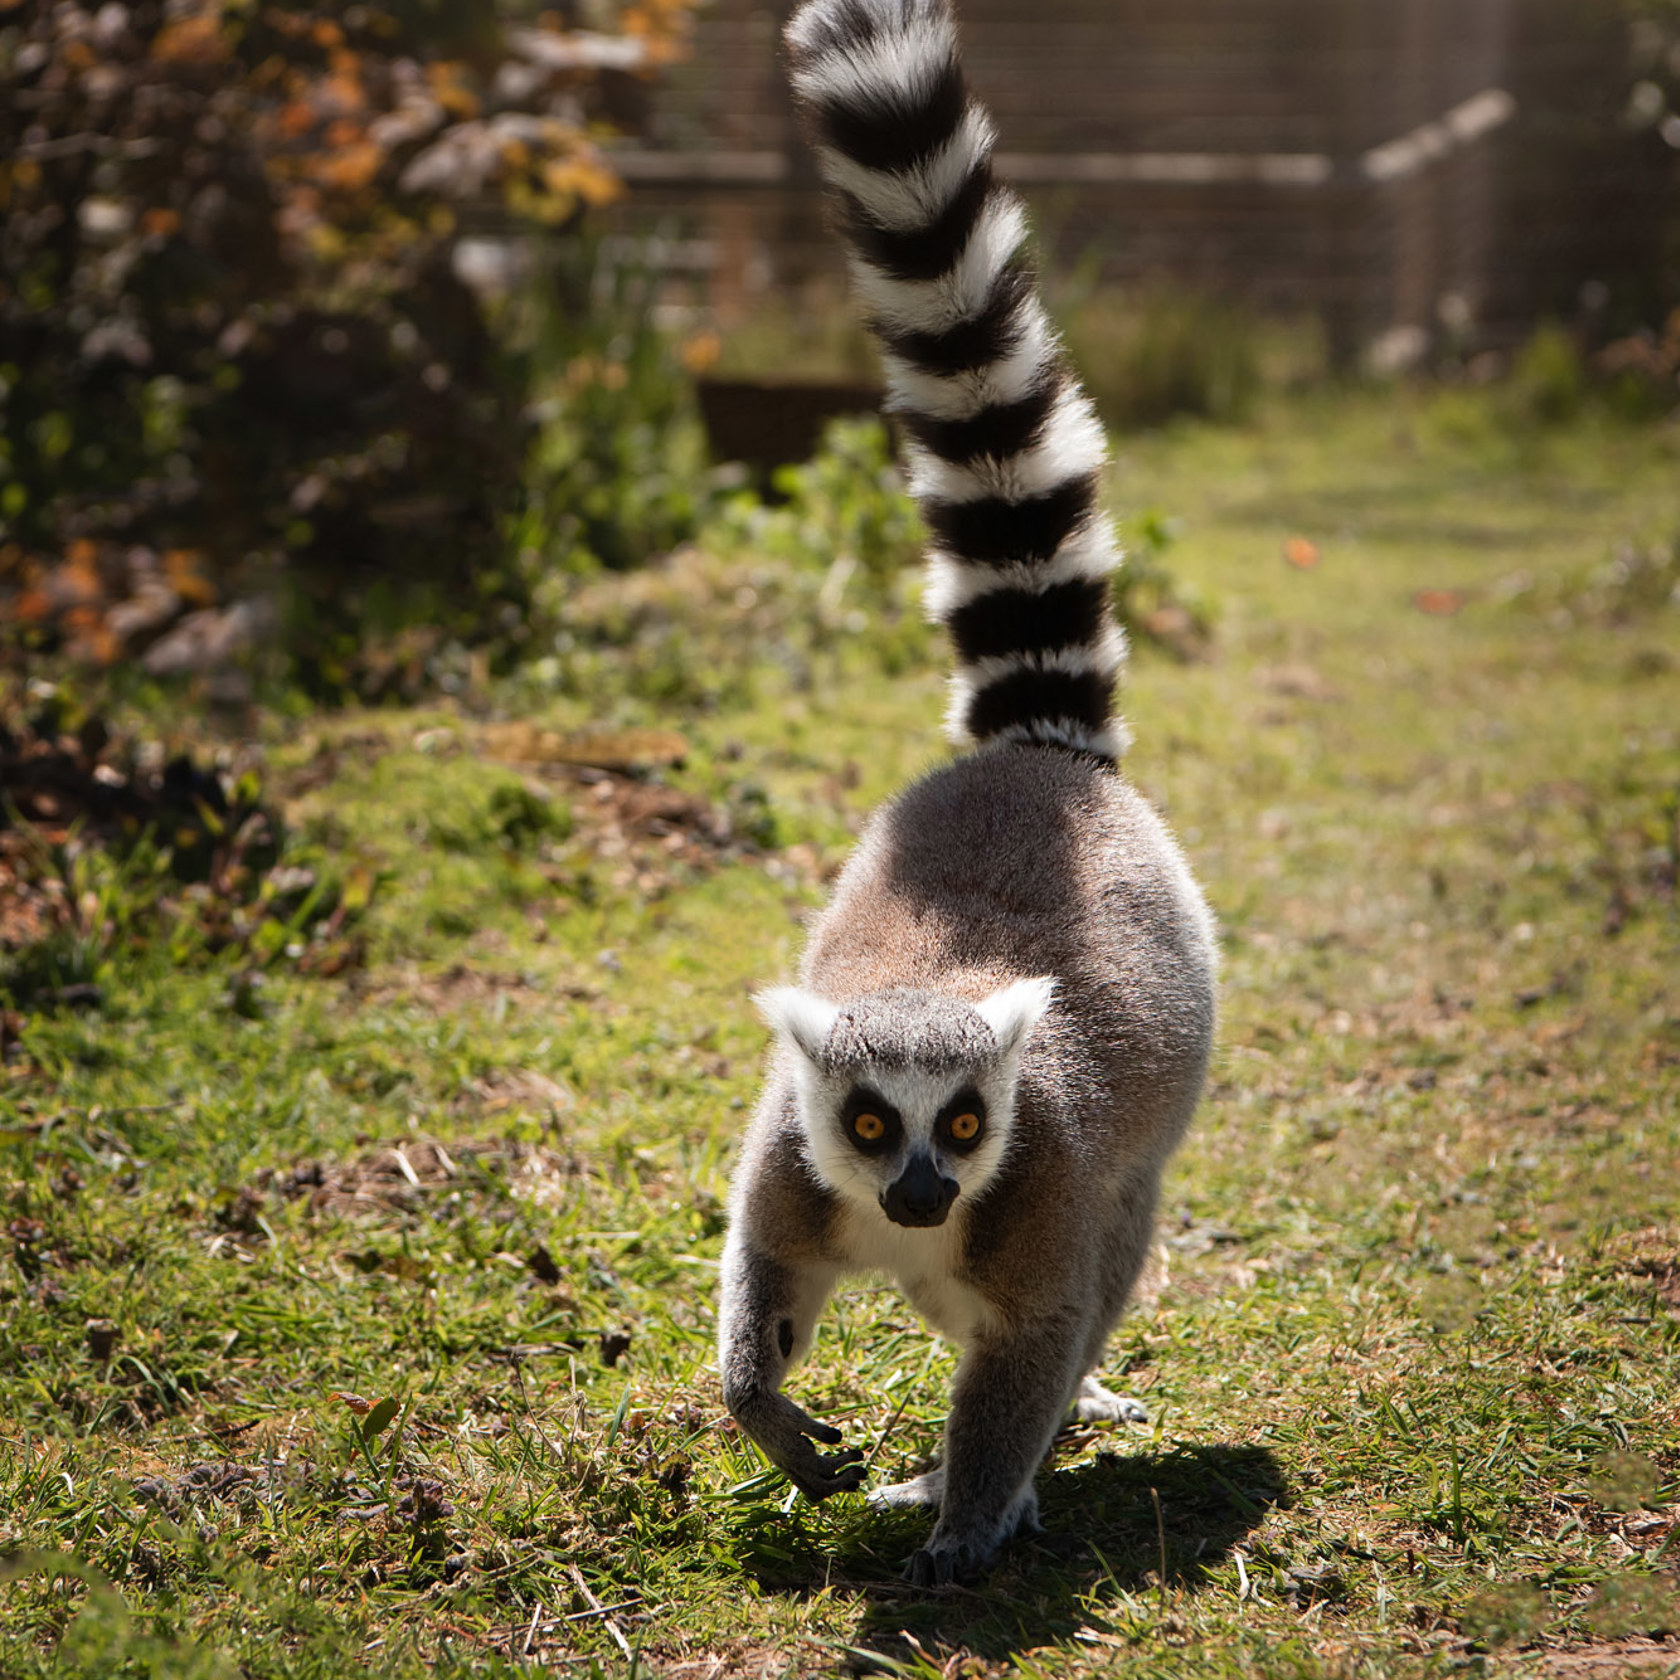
240, 375
315, 367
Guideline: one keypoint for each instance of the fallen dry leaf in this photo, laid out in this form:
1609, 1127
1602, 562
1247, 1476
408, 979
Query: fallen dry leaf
1438, 603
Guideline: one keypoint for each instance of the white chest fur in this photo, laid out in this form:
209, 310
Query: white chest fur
923, 1263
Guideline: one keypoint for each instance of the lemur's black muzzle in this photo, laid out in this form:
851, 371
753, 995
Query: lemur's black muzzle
921, 1195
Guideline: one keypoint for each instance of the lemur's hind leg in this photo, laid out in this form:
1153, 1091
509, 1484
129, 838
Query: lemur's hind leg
1092, 1403
926, 1489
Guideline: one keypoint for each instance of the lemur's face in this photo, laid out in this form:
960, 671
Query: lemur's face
907, 1098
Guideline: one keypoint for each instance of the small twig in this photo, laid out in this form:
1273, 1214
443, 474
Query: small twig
605, 1610
531, 1631
531, 1419
892, 1424
600, 1609
1161, 1538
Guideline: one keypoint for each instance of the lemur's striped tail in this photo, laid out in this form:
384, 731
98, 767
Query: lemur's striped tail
1007, 449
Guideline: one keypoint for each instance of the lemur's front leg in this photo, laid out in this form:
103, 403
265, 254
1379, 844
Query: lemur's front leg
769, 1307
1010, 1396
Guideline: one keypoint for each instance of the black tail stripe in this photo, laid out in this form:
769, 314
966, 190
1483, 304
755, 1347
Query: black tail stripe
888, 131
993, 532
1000, 431
843, 25
1027, 697
1006, 621
978, 342
924, 253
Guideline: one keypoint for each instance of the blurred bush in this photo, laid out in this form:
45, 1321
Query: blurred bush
1154, 605
235, 360
847, 508
1640, 373
618, 472
1548, 382
1636, 377
1148, 357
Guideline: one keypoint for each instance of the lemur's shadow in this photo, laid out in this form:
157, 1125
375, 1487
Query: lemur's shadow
1101, 1536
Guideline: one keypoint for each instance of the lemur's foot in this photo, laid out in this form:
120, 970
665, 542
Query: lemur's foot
927, 1489
952, 1555
1095, 1404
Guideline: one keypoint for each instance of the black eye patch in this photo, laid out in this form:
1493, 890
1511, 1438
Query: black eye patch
871, 1123
961, 1123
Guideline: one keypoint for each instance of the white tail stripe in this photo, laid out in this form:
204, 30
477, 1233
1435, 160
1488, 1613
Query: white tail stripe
961, 396
1109, 742
899, 64
1071, 446
1102, 657
907, 199
958, 295
1089, 554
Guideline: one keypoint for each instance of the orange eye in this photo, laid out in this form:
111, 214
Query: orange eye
965, 1128
870, 1127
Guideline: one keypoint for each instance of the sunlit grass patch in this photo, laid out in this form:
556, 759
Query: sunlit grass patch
1411, 1355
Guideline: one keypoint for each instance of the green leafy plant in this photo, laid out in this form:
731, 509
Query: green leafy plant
1155, 606
1548, 381
617, 474
847, 506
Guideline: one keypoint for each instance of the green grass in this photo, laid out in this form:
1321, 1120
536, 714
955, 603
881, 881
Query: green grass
1413, 1357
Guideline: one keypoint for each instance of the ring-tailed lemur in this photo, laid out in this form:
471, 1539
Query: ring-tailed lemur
1006, 1011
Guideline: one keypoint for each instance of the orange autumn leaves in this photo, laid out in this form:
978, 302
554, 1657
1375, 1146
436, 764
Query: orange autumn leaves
348, 131
343, 139
101, 597
1304, 555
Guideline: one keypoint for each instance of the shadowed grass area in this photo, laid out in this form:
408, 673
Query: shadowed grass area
1411, 1354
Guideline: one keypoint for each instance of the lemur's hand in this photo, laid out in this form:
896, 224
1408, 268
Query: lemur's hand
785, 1432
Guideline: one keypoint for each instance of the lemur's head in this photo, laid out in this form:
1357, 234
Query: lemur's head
906, 1097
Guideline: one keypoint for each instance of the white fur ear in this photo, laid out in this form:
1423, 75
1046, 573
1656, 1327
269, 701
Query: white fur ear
1013, 1012
801, 1017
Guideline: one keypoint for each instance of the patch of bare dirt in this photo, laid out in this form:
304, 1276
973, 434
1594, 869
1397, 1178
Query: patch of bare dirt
1296, 682
513, 1089
626, 751
1621, 1659
1653, 1254
418, 1500
459, 986
652, 833
403, 1174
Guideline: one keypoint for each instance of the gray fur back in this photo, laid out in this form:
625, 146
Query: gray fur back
1018, 861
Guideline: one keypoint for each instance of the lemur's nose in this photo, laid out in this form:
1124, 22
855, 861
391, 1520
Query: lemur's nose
920, 1195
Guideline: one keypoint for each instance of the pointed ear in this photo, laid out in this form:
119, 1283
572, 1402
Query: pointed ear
803, 1018
1014, 1012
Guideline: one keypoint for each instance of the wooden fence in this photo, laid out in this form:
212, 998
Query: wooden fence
1393, 165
